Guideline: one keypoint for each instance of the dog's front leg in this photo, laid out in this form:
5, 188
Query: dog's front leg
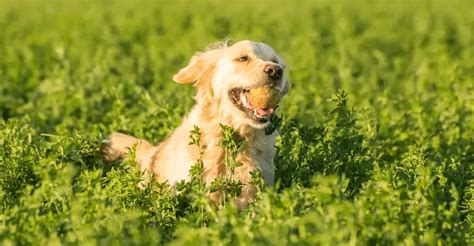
248, 191
243, 173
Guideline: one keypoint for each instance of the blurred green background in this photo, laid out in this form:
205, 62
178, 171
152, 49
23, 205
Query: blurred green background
391, 163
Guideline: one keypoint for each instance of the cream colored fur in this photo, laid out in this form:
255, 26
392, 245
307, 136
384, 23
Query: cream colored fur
213, 72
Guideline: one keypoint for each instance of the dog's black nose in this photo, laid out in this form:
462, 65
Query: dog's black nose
274, 71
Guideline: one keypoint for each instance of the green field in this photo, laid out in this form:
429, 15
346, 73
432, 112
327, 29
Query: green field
377, 131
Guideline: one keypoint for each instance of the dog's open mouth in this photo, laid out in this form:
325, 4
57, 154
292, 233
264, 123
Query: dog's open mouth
243, 101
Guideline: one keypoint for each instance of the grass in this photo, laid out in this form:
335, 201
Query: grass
376, 141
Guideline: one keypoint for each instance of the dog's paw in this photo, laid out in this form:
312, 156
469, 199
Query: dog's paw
113, 148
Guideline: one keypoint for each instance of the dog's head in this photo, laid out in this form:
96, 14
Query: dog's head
225, 76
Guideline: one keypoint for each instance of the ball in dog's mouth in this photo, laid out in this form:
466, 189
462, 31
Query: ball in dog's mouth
259, 103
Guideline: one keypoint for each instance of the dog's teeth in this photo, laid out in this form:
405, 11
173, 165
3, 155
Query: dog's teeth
243, 98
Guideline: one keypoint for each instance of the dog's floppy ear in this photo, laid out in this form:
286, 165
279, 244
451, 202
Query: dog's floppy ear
197, 67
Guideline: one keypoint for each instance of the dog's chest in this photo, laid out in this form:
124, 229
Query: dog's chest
262, 152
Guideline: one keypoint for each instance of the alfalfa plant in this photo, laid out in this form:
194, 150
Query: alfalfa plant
227, 185
197, 169
194, 194
345, 151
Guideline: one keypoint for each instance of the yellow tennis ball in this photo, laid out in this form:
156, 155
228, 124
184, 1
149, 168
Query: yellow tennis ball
264, 97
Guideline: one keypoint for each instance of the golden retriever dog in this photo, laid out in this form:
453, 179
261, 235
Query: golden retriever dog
223, 75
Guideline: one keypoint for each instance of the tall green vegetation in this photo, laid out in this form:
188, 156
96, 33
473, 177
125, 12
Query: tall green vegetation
376, 142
